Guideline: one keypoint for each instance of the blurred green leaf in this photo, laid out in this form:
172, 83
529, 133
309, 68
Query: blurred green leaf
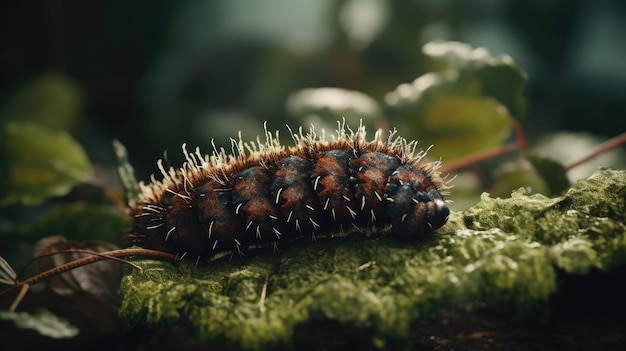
513, 175
499, 77
50, 100
534, 173
126, 173
465, 106
81, 221
552, 172
459, 125
40, 163
42, 321
436, 109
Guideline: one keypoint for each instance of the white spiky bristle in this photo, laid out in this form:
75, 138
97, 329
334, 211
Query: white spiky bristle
220, 166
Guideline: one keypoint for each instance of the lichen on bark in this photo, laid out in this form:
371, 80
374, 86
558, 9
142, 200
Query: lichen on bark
498, 250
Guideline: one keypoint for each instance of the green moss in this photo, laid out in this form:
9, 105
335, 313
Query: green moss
500, 249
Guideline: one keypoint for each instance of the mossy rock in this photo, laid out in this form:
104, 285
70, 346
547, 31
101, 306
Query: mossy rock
369, 289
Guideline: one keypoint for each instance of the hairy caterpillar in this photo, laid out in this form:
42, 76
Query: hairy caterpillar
266, 193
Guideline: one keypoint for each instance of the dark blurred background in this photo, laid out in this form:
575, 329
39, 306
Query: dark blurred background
155, 74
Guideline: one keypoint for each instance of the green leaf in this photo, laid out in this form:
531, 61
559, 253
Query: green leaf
40, 163
375, 287
126, 173
81, 221
460, 125
42, 321
50, 100
552, 172
437, 109
534, 173
513, 175
467, 104
499, 77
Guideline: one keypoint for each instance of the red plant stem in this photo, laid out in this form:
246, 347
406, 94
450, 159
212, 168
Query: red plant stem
474, 158
600, 149
519, 135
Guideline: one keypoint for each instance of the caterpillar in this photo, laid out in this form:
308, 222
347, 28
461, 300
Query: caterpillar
265, 193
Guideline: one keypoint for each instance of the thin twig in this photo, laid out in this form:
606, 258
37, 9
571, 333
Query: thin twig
85, 261
600, 149
476, 157
20, 296
519, 135
105, 254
